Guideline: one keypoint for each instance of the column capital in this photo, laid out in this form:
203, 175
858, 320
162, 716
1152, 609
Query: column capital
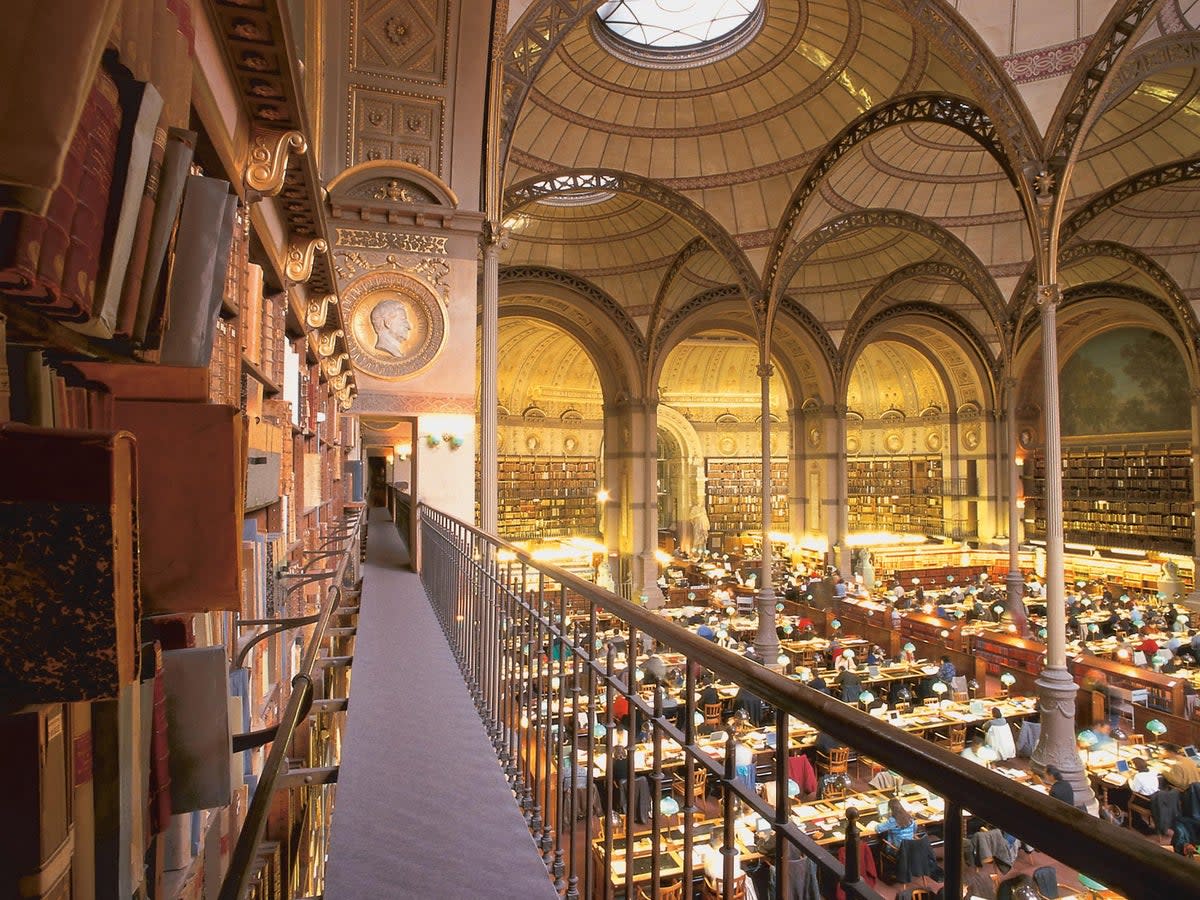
765, 369
494, 237
1049, 296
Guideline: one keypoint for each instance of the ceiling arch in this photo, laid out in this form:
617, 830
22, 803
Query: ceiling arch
714, 372
542, 364
894, 376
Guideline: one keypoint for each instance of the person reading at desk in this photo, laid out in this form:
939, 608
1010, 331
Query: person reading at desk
979, 752
899, 826
1144, 781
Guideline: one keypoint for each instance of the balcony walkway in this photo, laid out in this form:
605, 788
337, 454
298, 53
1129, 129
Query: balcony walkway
423, 808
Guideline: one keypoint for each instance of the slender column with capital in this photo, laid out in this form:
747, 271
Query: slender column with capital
489, 398
842, 493
766, 642
1055, 688
1192, 601
1015, 580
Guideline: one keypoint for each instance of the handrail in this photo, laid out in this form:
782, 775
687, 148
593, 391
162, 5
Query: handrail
1094, 846
299, 703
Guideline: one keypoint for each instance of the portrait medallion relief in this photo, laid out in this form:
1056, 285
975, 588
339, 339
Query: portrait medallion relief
395, 324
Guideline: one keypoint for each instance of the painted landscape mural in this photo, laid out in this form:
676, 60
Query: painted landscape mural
1124, 380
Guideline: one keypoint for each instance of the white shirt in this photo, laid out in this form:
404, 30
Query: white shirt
985, 757
1144, 783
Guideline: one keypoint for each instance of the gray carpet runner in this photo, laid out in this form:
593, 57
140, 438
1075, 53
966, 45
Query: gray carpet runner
423, 809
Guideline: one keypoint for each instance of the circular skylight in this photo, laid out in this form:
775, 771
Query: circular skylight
681, 31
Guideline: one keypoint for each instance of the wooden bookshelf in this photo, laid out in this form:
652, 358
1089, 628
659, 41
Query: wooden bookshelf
1118, 496
733, 494
897, 494
548, 496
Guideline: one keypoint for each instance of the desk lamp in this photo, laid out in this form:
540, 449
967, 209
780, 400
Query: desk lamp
972, 688
1008, 679
1094, 887
1087, 740
866, 698
1156, 728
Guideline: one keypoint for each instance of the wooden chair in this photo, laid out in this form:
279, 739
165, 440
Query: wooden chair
1138, 808
1135, 739
956, 738
714, 889
932, 702
699, 782
672, 891
836, 762
712, 714
834, 790
960, 696
920, 894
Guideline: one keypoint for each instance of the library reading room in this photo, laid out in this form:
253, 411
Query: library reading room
759, 441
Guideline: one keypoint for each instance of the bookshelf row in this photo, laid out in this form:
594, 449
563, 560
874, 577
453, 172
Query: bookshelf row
896, 494
170, 442
1134, 497
733, 493
542, 497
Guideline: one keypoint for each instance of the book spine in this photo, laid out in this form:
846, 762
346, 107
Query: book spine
131, 286
177, 158
87, 226
141, 140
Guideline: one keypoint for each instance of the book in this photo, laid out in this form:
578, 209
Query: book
102, 120
198, 271
68, 603
37, 123
83, 869
192, 460
142, 105
177, 159
36, 854
131, 287
200, 744
136, 381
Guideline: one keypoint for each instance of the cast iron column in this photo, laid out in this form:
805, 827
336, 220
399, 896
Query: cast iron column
1056, 688
1015, 580
488, 388
766, 642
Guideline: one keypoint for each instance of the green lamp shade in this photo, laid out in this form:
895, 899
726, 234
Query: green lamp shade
1008, 679
793, 788
939, 687
835, 624
691, 595
1091, 883
1156, 727
668, 806
599, 731
910, 648
778, 607
866, 697
998, 609
1087, 738
787, 629
783, 659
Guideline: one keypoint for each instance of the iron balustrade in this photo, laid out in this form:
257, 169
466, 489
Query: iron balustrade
237, 882
501, 608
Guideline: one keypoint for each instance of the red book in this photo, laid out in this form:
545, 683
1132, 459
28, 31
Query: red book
87, 227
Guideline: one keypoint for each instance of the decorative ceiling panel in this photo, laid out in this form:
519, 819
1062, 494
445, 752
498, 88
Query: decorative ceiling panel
402, 39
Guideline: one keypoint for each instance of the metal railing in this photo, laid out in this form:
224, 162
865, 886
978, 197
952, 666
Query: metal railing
346, 538
503, 611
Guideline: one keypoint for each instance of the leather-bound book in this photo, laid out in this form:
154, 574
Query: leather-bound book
39, 844
68, 601
33, 248
141, 106
135, 269
177, 158
135, 381
48, 54
88, 225
192, 460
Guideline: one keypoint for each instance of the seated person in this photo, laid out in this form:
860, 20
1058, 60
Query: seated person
1183, 772
1144, 781
979, 752
756, 710
946, 672
1104, 737
826, 743
899, 826
999, 736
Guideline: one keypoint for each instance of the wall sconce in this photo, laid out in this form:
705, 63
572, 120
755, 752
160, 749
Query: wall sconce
454, 440
433, 440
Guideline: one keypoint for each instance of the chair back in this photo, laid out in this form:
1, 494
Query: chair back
665, 891
839, 760
699, 781
834, 789
714, 888
957, 739
712, 713
933, 702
